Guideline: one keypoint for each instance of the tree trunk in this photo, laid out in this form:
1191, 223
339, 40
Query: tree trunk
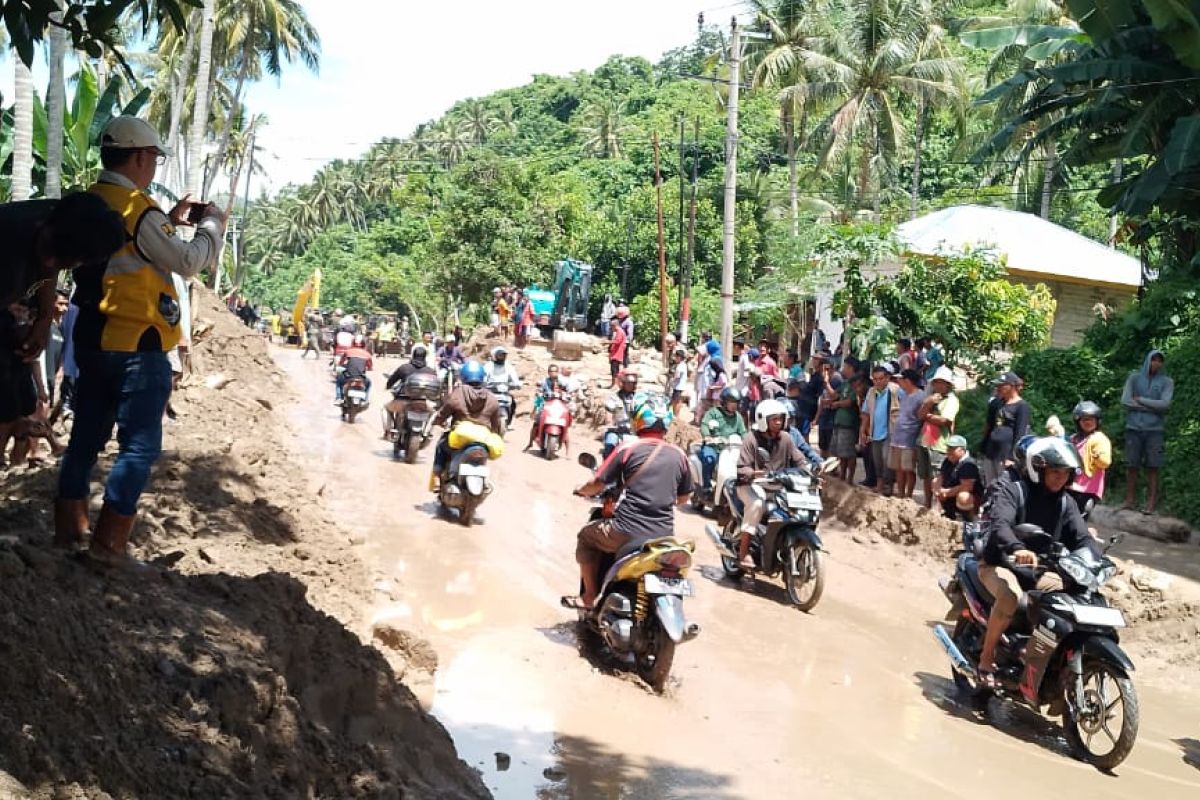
918, 140
56, 102
22, 156
234, 110
179, 81
1048, 180
789, 130
1113, 222
195, 145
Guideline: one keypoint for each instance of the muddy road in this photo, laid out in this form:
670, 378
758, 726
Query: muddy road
854, 700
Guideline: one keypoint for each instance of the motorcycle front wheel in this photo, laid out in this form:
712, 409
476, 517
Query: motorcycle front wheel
655, 668
804, 575
730, 537
397, 445
1108, 697
550, 450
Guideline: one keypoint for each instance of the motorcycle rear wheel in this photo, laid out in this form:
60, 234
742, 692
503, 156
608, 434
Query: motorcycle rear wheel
351, 413
412, 449
397, 446
804, 576
550, 449
656, 669
729, 536
1100, 679
466, 514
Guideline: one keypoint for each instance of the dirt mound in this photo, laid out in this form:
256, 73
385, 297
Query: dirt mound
893, 519
232, 673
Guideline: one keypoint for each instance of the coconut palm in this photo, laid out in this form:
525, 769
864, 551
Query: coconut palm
195, 141
478, 120
880, 52
602, 126
21, 187
56, 101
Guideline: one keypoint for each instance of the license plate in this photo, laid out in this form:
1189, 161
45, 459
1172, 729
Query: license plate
358, 394
803, 501
1098, 615
473, 469
659, 585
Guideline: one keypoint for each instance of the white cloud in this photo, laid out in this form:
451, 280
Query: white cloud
388, 65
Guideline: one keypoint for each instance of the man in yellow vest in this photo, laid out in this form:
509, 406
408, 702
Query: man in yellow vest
129, 318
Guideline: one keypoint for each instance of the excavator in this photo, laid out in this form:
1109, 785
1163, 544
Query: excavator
565, 305
309, 295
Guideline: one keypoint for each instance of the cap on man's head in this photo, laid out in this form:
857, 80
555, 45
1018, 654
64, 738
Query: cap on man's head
132, 133
739, 340
1009, 378
943, 373
957, 441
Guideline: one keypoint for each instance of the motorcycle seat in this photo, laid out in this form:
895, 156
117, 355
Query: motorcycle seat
637, 545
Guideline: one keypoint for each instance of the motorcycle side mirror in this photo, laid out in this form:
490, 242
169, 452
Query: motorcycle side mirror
763, 455
1028, 529
830, 465
1115, 540
588, 460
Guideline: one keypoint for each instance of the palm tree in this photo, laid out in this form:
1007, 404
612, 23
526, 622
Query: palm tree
478, 119
881, 51
453, 140
56, 102
22, 157
602, 125
258, 36
200, 109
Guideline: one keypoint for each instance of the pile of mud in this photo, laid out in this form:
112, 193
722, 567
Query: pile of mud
229, 673
1163, 611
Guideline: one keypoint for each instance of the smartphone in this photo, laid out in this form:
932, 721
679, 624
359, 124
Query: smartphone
196, 213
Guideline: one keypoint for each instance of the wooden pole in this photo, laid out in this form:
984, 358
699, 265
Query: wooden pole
662, 257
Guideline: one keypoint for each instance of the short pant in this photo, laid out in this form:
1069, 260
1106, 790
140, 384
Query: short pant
902, 459
598, 537
18, 394
1144, 449
929, 463
845, 442
1006, 589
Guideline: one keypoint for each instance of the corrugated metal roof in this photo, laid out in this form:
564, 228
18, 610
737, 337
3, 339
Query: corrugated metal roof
1031, 244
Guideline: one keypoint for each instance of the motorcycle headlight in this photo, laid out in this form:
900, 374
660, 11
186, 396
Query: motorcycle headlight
1077, 571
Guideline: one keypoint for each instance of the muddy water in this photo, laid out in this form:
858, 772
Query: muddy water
854, 700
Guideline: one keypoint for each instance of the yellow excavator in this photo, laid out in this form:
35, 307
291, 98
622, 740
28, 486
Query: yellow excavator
309, 295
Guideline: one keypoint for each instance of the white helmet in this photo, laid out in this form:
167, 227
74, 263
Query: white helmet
767, 409
1050, 452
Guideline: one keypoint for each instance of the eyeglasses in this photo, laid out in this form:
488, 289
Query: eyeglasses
159, 158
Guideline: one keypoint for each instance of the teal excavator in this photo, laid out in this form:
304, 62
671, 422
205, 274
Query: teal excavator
565, 305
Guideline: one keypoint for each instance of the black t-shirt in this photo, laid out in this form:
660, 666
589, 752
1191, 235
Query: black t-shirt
1008, 423
19, 267
654, 474
356, 367
965, 470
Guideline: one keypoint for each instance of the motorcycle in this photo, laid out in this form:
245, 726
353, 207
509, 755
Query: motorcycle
786, 540
464, 482
554, 421
508, 405
725, 471
410, 432
1061, 651
354, 399
638, 613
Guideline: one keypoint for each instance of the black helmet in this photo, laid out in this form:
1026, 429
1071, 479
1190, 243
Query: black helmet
1051, 452
418, 355
1021, 453
1086, 408
730, 393
499, 355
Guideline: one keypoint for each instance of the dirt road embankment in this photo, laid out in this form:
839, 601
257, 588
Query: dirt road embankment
233, 672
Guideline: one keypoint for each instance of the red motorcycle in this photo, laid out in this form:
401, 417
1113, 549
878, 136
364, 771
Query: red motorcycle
553, 423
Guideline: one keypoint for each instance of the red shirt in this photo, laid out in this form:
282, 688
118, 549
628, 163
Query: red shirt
358, 352
767, 366
616, 348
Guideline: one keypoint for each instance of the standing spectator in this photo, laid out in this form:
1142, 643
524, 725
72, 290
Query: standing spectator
1007, 421
741, 372
880, 409
937, 414
932, 355
607, 312
18, 392
504, 314
495, 316
903, 455
618, 350
792, 366
312, 336
1095, 456
704, 354
52, 357
679, 379
626, 323
846, 421
129, 317
810, 395
525, 323
70, 372
766, 362
959, 486
825, 410
905, 358
1146, 398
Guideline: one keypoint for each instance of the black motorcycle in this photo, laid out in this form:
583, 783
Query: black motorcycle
410, 431
1061, 651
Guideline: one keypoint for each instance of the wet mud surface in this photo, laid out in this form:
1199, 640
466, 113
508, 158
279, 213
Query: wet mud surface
853, 700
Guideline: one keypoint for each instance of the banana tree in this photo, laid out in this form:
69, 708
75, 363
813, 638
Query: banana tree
83, 122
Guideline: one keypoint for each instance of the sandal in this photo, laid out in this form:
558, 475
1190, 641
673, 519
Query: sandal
987, 678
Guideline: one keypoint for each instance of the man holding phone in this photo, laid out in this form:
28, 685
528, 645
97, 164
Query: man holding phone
129, 318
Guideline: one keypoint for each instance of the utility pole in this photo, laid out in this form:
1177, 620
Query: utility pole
679, 251
730, 229
662, 256
685, 291
625, 266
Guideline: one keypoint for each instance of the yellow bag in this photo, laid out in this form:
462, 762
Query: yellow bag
467, 432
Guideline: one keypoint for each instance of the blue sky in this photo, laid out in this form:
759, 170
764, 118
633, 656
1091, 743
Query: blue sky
391, 64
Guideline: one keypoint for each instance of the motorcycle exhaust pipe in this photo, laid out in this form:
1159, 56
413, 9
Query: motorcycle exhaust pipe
958, 660
715, 535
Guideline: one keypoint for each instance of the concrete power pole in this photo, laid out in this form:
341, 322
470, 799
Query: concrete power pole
730, 229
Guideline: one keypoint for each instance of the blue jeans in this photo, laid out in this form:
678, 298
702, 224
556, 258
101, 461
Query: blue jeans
708, 462
129, 390
611, 440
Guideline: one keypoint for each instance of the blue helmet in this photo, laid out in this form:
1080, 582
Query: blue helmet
472, 373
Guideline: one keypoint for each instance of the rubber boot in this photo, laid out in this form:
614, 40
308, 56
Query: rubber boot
110, 542
70, 522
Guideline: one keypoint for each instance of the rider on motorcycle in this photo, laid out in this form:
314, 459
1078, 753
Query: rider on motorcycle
395, 382
720, 422
497, 371
469, 401
770, 417
354, 363
653, 476
620, 405
549, 386
449, 354
1037, 497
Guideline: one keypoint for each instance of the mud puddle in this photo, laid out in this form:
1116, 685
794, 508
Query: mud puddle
854, 700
